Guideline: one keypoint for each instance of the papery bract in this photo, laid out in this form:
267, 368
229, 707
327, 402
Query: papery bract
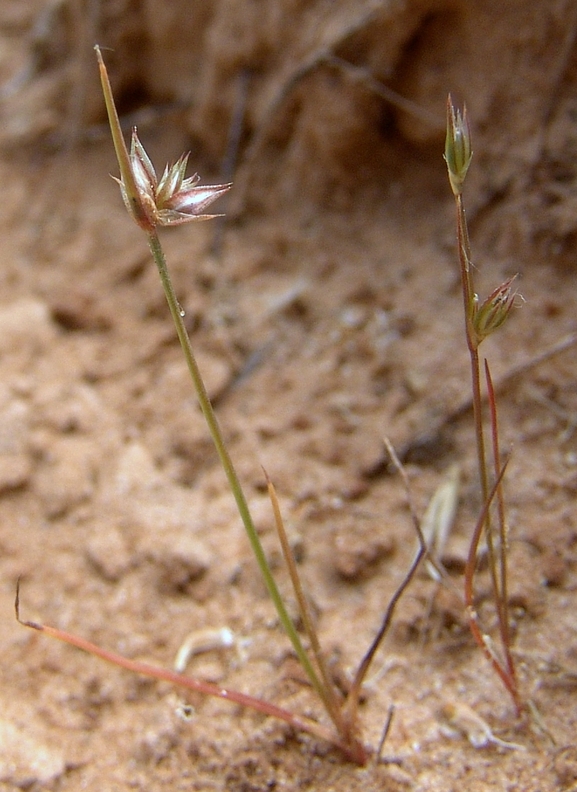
173, 200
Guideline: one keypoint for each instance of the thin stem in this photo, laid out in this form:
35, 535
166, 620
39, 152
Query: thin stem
498, 570
355, 689
385, 733
503, 603
508, 679
226, 462
469, 298
482, 463
501, 672
474, 543
328, 691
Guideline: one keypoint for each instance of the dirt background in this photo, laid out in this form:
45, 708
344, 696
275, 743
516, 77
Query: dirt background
325, 313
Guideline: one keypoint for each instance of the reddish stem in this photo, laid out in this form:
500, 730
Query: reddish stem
503, 598
354, 751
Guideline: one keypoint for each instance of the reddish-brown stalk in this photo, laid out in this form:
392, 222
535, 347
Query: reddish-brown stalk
497, 566
354, 752
508, 679
503, 600
352, 702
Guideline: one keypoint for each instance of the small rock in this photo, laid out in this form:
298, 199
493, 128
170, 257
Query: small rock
66, 478
108, 552
15, 471
75, 309
358, 550
15, 458
25, 761
181, 563
136, 471
24, 324
177, 556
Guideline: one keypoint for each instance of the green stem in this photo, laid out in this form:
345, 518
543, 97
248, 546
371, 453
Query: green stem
226, 462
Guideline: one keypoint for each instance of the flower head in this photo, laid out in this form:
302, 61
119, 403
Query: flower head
458, 151
171, 201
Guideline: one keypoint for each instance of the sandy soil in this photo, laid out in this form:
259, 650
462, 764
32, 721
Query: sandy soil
326, 314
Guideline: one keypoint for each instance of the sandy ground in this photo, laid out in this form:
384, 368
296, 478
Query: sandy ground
326, 314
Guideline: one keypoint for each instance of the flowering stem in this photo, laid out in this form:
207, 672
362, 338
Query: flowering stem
484, 525
473, 346
479, 322
174, 200
226, 462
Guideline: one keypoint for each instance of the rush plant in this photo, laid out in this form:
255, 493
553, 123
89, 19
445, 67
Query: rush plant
481, 320
173, 200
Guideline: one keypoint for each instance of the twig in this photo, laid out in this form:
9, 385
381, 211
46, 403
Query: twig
354, 692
